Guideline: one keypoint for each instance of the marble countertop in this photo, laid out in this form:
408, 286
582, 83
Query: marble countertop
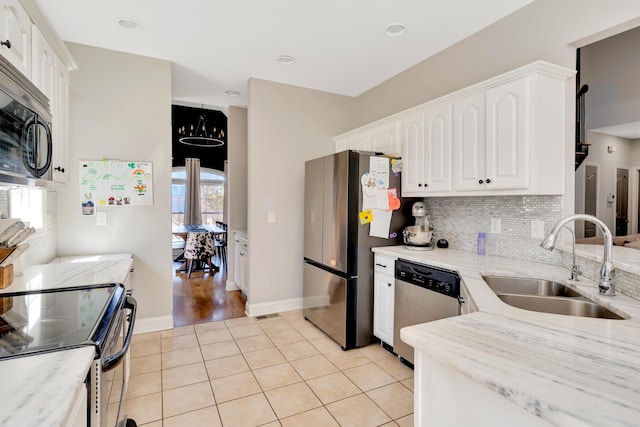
38, 391
70, 274
569, 371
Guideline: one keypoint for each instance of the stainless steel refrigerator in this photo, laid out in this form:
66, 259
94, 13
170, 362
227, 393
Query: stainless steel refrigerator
338, 262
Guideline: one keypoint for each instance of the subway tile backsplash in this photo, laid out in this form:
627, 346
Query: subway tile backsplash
460, 219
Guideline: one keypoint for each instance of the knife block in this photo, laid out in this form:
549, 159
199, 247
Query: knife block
6, 276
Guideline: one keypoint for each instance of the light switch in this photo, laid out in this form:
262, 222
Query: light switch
271, 217
101, 218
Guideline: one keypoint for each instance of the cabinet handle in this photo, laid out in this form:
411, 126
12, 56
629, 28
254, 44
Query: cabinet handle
6, 43
389, 284
59, 169
488, 181
419, 185
380, 265
480, 182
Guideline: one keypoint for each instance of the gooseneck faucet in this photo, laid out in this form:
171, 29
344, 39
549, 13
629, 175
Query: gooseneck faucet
607, 272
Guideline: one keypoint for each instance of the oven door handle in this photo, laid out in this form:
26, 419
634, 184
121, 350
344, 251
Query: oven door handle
113, 360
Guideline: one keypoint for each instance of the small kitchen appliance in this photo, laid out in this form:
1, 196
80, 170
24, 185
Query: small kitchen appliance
418, 236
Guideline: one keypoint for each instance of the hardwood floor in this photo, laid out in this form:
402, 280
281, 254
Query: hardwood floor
203, 297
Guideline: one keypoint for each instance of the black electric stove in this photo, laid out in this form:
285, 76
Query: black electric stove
42, 321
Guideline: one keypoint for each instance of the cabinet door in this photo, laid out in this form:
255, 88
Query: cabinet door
385, 138
469, 143
60, 110
383, 306
507, 143
437, 151
413, 155
359, 141
15, 28
44, 66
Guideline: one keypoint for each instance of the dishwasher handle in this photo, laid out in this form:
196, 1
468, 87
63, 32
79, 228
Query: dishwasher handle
113, 360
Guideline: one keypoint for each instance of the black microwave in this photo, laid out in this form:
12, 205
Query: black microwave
26, 147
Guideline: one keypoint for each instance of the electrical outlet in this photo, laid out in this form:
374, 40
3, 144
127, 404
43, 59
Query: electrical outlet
271, 217
496, 225
537, 229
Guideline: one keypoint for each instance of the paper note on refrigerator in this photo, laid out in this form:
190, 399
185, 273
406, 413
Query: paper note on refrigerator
381, 224
379, 169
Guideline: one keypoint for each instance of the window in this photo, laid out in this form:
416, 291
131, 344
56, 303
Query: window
28, 204
211, 195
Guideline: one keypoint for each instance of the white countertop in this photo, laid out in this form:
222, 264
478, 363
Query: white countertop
70, 274
570, 371
38, 391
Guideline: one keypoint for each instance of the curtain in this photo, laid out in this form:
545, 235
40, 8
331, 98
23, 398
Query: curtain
192, 193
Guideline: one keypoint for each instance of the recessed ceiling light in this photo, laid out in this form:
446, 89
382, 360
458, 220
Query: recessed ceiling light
129, 24
286, 59
232, 93
395, 30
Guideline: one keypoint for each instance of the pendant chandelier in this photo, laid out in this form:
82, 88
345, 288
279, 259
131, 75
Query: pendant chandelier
201, 135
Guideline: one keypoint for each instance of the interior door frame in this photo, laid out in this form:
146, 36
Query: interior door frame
634, 198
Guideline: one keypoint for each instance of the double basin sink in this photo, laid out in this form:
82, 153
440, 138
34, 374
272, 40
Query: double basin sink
545, 296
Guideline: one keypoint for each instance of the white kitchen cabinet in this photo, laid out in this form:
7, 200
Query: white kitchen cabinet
15, 34
469, 142
491, 142
467, 304
60, 109
360, 141
386, 138
503, 136
383, 298
426, 139
241, 262
43, 66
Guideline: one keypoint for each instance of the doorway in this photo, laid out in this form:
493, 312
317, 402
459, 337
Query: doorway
622, 201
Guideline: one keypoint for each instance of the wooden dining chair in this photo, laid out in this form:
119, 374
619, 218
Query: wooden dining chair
199, 248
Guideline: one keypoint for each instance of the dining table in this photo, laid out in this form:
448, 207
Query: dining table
182, 231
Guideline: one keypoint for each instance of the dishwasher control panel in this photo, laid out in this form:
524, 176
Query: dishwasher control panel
437, 279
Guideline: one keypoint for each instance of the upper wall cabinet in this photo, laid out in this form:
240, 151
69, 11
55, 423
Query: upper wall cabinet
15, 35
383, 137
503, 136
426, 136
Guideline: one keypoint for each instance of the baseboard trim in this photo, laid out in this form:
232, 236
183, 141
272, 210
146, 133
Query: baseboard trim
153, 324
231, 286
263, 308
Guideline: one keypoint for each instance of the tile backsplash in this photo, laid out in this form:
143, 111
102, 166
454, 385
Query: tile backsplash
42, 245
460, 219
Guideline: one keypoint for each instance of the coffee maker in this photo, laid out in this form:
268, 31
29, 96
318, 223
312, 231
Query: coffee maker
418, 236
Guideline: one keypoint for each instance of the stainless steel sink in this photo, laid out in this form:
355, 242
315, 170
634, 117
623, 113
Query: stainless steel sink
527, 286
568, 306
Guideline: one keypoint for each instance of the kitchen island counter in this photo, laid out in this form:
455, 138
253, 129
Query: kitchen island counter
40, 390
558, 370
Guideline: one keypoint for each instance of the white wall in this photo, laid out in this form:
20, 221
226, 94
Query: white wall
236, 196
121, 109
287, 126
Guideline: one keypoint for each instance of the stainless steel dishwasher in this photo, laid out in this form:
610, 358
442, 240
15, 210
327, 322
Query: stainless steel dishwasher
423, 293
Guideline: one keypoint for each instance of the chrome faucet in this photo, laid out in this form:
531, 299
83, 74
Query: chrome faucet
607, 272
575, 268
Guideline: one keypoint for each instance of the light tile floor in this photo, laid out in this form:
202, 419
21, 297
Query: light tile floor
279, 371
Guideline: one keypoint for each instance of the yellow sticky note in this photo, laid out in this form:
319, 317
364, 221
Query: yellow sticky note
366, 216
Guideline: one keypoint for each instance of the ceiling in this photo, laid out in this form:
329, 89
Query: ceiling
217, 45
626, 130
